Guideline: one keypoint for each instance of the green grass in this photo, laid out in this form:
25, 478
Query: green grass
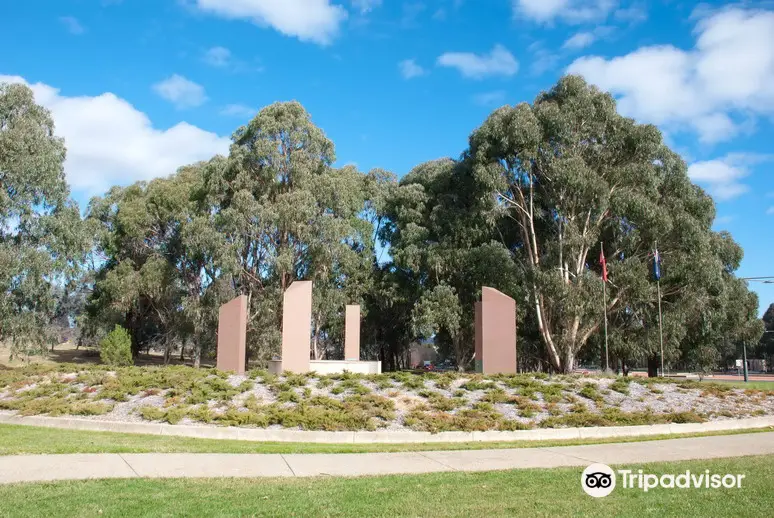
554, 492
18, 439
751, 385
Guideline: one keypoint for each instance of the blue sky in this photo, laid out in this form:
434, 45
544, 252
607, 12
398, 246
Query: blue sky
140, 87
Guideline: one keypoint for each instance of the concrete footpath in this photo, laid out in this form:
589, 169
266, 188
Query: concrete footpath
36, 468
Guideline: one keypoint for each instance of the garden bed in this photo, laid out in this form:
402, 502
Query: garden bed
431, 402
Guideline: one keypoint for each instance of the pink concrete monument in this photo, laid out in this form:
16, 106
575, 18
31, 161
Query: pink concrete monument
297, 327
495, 333
232, 335
352, 333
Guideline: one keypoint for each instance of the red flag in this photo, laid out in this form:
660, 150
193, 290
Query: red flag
603, 263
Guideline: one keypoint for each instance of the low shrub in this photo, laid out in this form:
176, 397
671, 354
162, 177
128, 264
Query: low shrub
478, 384
621, 385
324, 382
590, 391
495, 395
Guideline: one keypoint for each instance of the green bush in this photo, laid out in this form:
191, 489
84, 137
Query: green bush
116, 348
621, 385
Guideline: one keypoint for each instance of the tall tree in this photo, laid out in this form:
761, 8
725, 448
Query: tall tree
570, 173
287, 215
161, 267
441, 236
42, 241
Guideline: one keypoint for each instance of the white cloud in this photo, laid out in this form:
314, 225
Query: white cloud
579, 41
633, 14
543, 60
410, 69
365, 6
72, 24
723, 176
496, 97
109, 142
498, 62
217, 57
238, 110
570, 11
180, 91
727, 75
724, 220
317, 21
770, 210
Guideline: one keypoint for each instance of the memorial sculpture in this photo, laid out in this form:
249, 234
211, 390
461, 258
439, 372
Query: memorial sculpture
495, 329
352, 333
296, 337
297, 327
232, 336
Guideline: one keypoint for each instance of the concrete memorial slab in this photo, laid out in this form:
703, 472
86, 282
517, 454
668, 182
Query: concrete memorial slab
297, 327
232, 335
352, 334
495, 326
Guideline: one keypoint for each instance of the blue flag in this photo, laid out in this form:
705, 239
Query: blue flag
656, 265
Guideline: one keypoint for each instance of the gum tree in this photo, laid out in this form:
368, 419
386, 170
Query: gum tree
42, 241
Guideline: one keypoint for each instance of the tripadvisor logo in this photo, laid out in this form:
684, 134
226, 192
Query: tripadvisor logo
599, 480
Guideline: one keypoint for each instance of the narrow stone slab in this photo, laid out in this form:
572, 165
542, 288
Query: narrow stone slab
495, 333
43, 468
352, 333
207, 465
359, 464
297, 327
232, 336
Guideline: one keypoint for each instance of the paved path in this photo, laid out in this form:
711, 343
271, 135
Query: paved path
31, 468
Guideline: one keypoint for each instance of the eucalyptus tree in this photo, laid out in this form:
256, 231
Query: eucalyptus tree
286, 214
567, 175
441, 236
42, 240
161, 262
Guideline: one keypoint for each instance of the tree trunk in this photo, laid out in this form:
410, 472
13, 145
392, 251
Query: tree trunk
197, 354
653, 365
569, 363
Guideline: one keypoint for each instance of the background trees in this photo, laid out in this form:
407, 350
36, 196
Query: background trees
42, 241
525, 209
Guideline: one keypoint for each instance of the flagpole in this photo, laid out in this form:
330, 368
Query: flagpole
660, 319
604, 300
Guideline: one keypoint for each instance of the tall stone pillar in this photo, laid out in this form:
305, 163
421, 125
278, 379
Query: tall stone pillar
352, 333
297, 327
495, 327
232, 335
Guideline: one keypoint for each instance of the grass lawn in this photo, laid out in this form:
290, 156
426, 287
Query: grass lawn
17, 439
555, 492
751, 385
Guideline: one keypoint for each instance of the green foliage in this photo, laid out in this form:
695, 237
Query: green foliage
116, 348
482, 418
43, 241
615, 417
621, 385
590, 391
